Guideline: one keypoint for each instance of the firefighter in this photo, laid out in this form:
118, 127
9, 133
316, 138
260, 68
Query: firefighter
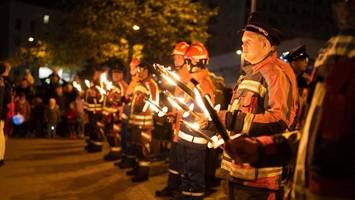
113, 110
325, 158
127, 161
191, 147
299, 59
141, 123
264, 102
93, 107
174, 177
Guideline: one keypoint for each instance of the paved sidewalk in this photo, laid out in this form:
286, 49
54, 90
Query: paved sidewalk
61, 169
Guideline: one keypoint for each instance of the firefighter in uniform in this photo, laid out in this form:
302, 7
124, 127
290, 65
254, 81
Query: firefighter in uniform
93, 107
140, 123
325, 160
127, 161
113, 110
191, 147
174, 177
298, 59
264, 102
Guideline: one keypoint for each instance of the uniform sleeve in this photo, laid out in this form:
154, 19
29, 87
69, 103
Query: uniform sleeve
275, 150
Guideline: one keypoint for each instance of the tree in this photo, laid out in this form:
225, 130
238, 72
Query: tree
99, 30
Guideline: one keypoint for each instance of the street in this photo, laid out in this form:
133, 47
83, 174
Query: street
61, 169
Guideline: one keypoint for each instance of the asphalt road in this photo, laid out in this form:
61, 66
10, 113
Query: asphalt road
61, 169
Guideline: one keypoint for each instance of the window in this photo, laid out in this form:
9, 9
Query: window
45, 19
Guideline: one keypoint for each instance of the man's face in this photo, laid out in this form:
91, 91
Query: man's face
142, 73
300, 64
96, 75
178, 60
117, 76
253, 47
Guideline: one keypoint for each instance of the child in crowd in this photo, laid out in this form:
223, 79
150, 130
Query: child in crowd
71, 120
52, 117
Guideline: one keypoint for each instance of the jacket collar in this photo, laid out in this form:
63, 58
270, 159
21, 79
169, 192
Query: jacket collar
268, 59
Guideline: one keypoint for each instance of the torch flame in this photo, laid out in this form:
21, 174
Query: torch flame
103, 78
169, 80
200, 103
101, 90
194, 125
173, 103
77, 86
87, 83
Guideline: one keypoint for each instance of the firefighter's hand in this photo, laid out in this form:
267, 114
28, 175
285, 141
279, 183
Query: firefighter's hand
202, 121
243, 150
171, 116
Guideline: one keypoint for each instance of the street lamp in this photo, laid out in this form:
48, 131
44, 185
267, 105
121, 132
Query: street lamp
31, 39
136, 27
239, 52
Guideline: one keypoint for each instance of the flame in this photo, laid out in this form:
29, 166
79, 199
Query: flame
109, 85
174, 75
173, 103
101, 90
77, 86
169, 80
87, 83
194, 125
200, 103
103, 78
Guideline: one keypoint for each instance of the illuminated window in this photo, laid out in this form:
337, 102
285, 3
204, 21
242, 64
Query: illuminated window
45, 19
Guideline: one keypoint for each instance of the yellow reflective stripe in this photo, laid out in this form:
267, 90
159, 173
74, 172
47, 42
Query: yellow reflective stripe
110, 109
115, 149
173, 171
248, 120
93, 109
96, 143
193, 139
116, 127
254, 86
140, 88
144, 163
146, 135
249, 173
139, 123
141, 117
195, 194
234, 106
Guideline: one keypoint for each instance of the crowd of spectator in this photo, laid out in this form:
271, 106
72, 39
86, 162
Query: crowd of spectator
53, 108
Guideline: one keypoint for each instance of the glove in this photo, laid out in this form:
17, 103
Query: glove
243, 149
216, 142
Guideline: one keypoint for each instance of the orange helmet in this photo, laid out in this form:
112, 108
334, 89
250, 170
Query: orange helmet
180, 48
197, 52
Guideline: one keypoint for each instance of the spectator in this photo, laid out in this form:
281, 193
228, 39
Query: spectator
23, 108
5, 94
52, 117
82, 118
37, 116
71, 119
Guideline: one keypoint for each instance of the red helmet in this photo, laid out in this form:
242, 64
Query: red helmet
180, 48
197, 52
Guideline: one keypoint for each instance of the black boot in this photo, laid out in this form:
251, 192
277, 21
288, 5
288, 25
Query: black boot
142, 175
132, 172
2, 162
128, 162
166, 192
112, 156
93, 148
